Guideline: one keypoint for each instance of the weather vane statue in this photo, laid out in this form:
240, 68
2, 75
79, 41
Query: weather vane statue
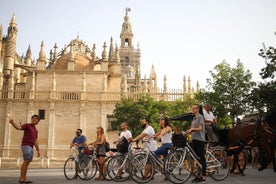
128, 9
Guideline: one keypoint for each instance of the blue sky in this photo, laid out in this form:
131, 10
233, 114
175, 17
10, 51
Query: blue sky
180, 37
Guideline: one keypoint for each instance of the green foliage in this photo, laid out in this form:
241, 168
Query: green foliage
132, 111
264, 95
228, 90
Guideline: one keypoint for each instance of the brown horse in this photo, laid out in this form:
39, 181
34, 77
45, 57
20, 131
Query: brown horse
252, 134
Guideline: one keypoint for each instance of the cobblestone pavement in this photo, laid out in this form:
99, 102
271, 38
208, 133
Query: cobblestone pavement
55, 176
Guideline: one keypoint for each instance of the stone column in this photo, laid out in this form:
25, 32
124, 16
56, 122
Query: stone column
51, 135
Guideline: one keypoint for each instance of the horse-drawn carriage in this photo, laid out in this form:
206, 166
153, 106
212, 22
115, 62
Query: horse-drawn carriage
261, 134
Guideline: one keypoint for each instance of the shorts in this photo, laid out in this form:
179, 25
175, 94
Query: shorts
28, 152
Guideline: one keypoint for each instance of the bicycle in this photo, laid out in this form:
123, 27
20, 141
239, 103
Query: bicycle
179, 164
118, 165
142, 161
83, 165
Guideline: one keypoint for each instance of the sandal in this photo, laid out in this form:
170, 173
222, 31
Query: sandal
24, 181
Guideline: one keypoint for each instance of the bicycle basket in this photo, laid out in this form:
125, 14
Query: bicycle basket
179, 140
87, 151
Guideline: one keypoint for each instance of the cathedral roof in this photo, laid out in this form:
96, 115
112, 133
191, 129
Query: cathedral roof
79, 53
82, 62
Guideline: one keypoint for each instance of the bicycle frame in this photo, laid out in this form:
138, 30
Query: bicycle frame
189, 150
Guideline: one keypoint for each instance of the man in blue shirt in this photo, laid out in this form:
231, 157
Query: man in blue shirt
79, 140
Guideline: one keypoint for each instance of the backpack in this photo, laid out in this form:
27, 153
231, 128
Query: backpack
122, 145
107, 146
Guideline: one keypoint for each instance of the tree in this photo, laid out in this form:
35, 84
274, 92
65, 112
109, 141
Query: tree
132, 111
228, 90
263, 96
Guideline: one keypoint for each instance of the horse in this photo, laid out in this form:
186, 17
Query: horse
259, 133
252, 134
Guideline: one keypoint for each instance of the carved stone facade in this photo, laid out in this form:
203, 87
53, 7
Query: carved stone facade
73, 88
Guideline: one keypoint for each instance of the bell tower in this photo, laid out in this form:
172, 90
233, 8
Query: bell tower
126, 33
129, 56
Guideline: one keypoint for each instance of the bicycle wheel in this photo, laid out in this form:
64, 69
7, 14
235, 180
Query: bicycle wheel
118, 168
69, 169
218, 164
178, 166
88, 169
138, 165
105, 165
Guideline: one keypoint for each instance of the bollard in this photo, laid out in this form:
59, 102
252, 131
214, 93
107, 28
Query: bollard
48, 162
42, 162
18, 162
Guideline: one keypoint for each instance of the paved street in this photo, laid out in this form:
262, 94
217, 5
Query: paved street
55, 176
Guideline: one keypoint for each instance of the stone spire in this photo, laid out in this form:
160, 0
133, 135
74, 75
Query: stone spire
111, 51
165, 84
29, 56
126, 33
104, 53
42, 54
55, 52
72, 58
94, 55
189, 85
197, 86
10, 48
41, 62
153, 77
184, 84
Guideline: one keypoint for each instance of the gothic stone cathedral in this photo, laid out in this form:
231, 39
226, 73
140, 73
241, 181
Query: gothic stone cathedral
72, 88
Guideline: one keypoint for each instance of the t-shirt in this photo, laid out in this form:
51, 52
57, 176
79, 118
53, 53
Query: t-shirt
30, 135
198, 135
152, 145
79, 140
127, 134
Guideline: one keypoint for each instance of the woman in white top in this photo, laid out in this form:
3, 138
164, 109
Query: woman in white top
165, 135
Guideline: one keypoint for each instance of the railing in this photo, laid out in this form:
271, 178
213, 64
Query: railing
75, 94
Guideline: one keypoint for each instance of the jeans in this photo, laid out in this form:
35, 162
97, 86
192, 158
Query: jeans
163, 150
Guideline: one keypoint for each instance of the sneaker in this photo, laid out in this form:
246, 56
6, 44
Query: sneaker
201, 179
195, 180
198, 179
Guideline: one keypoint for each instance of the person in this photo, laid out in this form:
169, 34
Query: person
165, 135
178, 138
210, 122
79, 140
254, 155
125, 132
124, 138
100, 150
198, 141
29, 141
149, 143
123, 142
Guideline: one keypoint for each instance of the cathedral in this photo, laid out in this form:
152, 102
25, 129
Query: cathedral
72, 88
